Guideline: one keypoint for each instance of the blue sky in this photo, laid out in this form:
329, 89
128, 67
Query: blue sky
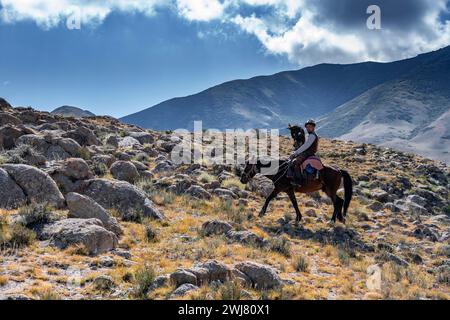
129, 55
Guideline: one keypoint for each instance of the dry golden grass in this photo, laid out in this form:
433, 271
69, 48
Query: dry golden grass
326, 271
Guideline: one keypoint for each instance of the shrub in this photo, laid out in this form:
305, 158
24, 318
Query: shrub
143, 280
230, 290
85, 154
36, 214
150, 234
19, 236
206, 177
300, 264
232, 182
281, 245
446, 210
99, 168
133, 216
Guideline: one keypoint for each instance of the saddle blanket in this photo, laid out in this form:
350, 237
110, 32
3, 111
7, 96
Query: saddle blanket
314, 162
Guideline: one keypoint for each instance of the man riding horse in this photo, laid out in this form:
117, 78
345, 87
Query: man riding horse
308, 149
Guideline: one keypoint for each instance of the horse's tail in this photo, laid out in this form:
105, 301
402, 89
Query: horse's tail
348, 188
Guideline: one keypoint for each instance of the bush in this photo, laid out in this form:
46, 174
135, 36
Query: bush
446, 210
85, 154
100, 169
23, 154
300, 264
19, 236
150, 234
281, 245
133, 216
206, 178
36, 214
232, 182
143, 280
230, 291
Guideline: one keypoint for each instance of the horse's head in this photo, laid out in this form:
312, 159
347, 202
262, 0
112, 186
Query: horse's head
249, 172
298, 134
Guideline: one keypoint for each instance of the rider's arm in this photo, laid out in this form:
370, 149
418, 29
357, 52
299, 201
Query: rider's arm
306, 145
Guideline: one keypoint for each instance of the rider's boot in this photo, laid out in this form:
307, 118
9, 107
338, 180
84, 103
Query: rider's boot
297, 180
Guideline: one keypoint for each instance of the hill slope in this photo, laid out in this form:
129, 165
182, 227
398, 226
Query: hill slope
271, 101
409, 113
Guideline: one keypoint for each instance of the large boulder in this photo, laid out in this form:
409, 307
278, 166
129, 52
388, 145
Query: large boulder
198, 192
83, 207
36, 184
261, 276
215, 227
125, 171
142, 137
245, 237
9, 135
7, 118
214, 271
4, 105
84, 136
183, 276
129, 142
88, 232
183, 290
53, 147
75, 169
11, 195
120, 195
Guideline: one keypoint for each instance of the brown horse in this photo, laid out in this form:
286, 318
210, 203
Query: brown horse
329, 182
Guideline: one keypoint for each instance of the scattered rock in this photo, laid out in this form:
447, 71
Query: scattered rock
183, 290
36, 184
215, 227
83, 207
11, 195
198, 192
88, 232
261, 276
183, 276
112, 194
245, 237
124, 170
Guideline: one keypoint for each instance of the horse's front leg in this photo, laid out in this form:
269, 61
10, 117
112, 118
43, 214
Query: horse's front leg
291, 194
262, 213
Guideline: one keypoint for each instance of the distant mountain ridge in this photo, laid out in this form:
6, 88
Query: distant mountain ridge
69, 111
394, 104
269, 101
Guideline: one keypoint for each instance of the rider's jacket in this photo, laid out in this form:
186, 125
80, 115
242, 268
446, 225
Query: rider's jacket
311, 146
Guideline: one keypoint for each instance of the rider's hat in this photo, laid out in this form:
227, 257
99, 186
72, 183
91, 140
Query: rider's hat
310, 121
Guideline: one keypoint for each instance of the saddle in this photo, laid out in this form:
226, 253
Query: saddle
314, 161
305, 172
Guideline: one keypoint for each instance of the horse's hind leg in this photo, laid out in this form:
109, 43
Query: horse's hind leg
291, 194
338, 208
334, 198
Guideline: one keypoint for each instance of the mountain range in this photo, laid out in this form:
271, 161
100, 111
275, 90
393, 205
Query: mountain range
403, 104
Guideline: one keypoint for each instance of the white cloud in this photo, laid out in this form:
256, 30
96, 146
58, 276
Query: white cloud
201, 10
304, 31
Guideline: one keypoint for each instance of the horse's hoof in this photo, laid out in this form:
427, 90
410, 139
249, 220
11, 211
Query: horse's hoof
261, 214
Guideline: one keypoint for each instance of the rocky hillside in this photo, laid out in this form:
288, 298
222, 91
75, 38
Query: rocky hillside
94, 208
68, 111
